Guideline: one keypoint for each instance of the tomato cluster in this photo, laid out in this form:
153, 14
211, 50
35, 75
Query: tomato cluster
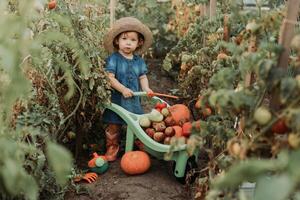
160, 105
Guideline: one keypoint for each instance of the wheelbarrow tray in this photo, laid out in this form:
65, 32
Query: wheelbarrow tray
158, 150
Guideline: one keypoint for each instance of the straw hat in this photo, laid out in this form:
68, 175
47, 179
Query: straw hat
128, 24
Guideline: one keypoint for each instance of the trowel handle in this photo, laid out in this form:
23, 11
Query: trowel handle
151, 94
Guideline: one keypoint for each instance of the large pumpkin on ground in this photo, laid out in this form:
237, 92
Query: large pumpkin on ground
135, 162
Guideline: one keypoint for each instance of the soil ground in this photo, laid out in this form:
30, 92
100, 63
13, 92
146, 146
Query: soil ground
157, 184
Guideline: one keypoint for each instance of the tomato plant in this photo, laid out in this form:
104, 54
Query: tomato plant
51, 77
238, 77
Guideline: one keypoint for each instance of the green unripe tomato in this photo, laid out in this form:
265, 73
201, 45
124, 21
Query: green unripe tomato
262, 115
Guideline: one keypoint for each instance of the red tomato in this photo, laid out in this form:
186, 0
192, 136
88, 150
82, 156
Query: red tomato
196, 125
187, 129
280, 127
52, 4
207, 112
157, 105
164, 105
160, 105
198, 102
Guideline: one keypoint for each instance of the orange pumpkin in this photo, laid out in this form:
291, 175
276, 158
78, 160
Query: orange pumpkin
135, 162
178, 131
180, 113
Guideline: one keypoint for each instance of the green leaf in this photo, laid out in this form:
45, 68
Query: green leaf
297, 196
220, 97
9, 173
192, 144
249, 170
30, 188
295, 123
287, 87
224, 79
151, 4
294, 164
274, 187
263, 68
60, 161
17, 181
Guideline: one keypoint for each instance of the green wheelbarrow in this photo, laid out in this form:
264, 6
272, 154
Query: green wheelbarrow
182, 161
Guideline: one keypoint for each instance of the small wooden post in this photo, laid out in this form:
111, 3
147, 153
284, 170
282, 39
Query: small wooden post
287, 31
248, 79
212, 9
226, 29
202, 10
206, 9
285, 36
112, 8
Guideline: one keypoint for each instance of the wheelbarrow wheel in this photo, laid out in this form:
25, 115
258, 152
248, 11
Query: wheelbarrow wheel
190, 173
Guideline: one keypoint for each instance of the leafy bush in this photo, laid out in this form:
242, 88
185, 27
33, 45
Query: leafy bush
52, 81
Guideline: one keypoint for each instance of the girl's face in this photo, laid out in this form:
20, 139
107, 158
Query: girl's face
128, 42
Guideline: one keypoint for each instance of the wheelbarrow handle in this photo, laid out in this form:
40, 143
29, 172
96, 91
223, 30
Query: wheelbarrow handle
140, 93
151, 94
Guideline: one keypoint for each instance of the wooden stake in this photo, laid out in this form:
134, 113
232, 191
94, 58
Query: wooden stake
251, 48
112, 8
212, 9
202, 10
206, 9
287, 31
248, 80
285, 36
226, 31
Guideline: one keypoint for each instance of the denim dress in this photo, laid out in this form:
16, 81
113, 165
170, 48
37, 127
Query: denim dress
127, 72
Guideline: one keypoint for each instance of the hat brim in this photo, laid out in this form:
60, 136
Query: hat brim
128, 24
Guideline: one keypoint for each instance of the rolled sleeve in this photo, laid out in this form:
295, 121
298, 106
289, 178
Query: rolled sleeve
144, 68
110, 65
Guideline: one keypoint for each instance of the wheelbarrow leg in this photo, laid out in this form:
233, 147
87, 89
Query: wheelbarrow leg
129, 139
181, 161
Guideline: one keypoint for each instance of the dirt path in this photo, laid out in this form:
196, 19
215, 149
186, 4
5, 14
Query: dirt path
157, 184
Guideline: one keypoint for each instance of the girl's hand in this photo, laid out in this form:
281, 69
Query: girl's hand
149, 92
127, 93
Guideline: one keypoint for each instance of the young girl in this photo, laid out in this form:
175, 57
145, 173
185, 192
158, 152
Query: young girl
127, 73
